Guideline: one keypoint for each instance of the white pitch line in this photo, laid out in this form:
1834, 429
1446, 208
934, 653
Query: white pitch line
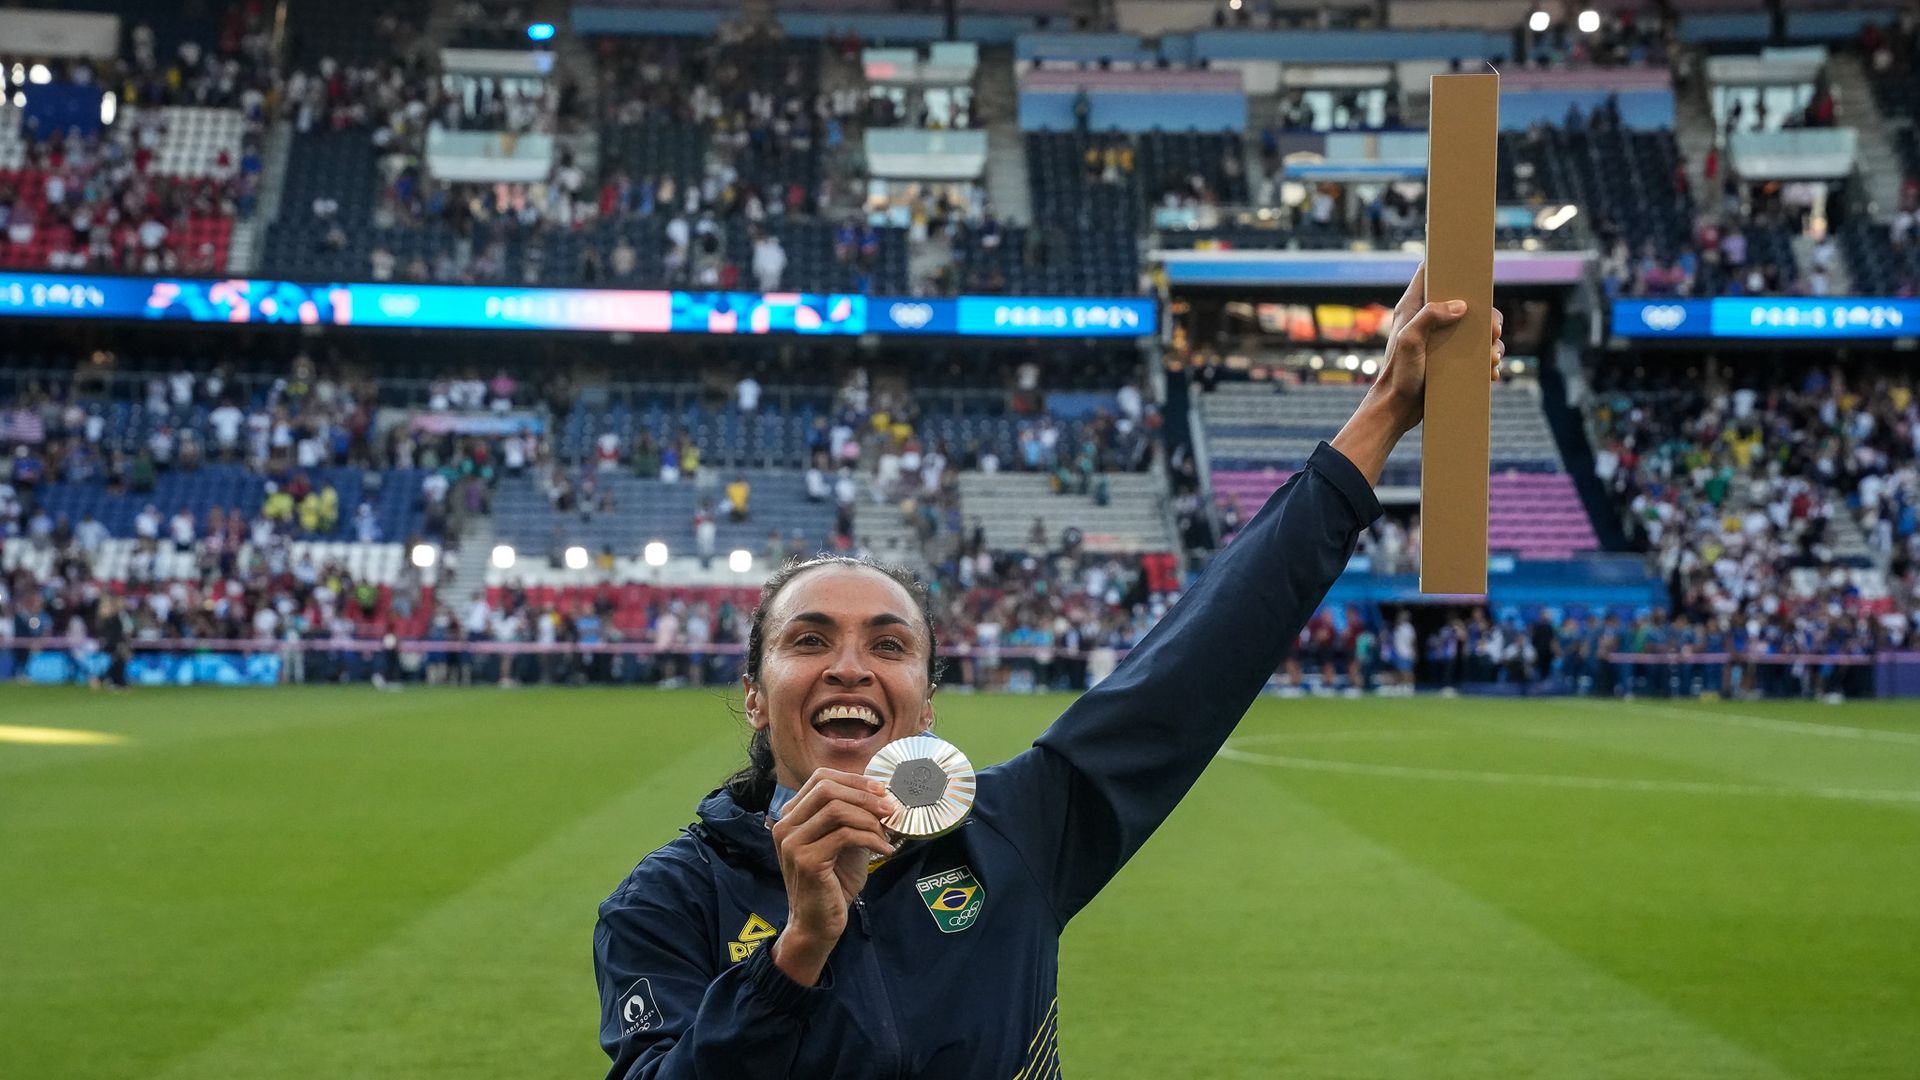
1356, 735
1588, 783
1763, 723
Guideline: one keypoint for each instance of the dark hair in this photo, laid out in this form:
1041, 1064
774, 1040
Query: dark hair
752, 787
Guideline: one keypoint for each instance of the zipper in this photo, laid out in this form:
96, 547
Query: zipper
888, 1037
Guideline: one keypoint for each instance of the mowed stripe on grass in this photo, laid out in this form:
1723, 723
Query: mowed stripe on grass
245, 843
325, 882
1789, 924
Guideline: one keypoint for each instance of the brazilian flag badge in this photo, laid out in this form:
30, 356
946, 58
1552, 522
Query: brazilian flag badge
954, 898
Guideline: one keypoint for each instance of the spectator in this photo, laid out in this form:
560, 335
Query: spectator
738, 491
705, 532
181, 528
769, 262
366, 525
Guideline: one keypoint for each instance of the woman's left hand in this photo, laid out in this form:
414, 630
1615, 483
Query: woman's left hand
1402, 384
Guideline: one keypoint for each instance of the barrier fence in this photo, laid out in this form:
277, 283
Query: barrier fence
1681, 674
260, 662
252, 661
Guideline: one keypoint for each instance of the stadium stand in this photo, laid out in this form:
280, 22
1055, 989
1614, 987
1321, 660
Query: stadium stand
1086, 200
1257, 438
158, 194
141, 161
1750, 490
1884, 255
1035, 486
608, 509
1025, 512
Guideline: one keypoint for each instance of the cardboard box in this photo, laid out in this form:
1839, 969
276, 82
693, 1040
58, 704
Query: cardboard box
1462, 157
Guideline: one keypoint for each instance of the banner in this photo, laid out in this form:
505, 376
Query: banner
527, 62
478, 307
53, 668
480, 424
1802, 318
1388, 269
489, 157
906, 153
60, 33
1795, 154
62, 107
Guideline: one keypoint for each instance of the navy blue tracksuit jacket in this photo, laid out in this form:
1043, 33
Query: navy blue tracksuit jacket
948, 965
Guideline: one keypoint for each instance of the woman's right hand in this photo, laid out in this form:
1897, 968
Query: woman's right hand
825, 838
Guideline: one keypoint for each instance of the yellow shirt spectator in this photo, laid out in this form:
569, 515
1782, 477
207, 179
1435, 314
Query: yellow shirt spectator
329, 508
1742, 450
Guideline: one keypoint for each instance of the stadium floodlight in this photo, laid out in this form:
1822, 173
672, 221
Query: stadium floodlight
1589, 21
1369, 366
740, 561
503, 556
39, 75
1235, 4
539, 31
656, 554
1539, 21
425, 555
1351, 361
1316, 361
576, 558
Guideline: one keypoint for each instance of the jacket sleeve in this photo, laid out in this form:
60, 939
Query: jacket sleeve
664, 1014
1113, 766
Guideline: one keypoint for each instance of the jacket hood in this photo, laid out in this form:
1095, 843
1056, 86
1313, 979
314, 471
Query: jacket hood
741, 836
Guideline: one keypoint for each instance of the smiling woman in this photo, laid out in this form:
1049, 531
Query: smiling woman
790, 626
939, 957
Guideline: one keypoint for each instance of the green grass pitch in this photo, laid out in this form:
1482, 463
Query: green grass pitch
343, 883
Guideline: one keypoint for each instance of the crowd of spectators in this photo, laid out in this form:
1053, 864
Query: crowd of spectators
92, 202
235, 72
240, 580
1604, 653
233, 577
1720, 258
300, 421
758, 103
489, 24
285, 431
1735, 488
874, 448
1006, 622
1625, 38
89, 197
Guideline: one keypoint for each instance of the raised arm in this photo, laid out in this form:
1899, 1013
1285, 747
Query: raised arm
1110, 770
